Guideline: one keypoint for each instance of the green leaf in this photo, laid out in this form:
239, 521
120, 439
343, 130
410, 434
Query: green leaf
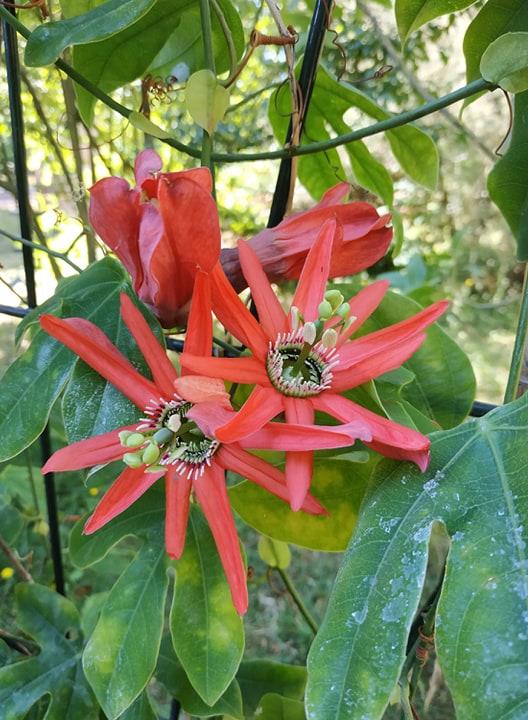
444, 383
206, 99
338, 484
121, 654
412, 14
494, 19
146, 126
259, 677
475, 487
207, 633
507, 185
172, 675
183, 53
275, 707
53, 622
28, 390
505, 62
414, 150
125, 56
47, 41
274, 553
141, 709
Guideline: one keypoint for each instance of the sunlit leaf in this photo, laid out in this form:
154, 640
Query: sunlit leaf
48, 40
338, 484
505, 62
206, 99
412, 14
274, 553
475, 488
275, 707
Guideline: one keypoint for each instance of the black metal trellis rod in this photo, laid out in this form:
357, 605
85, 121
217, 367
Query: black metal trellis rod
24, 211
312, 53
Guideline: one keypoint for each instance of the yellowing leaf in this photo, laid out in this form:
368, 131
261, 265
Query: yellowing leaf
206, 100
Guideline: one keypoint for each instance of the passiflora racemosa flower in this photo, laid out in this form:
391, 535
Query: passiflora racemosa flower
282, 250
303, 360
175, 435
163, 231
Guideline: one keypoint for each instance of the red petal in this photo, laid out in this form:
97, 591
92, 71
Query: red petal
115, 215
191, 221
93, 346
235, 316
199, 389
232, 457
247, 370
362, 348
161, 367
211, 493
388, 438
363, 305
96, 450
261, 406
314, 276
148, 162
177, 498
299, 465
209, 416
289, 436
199, 338
385, 360
271, 315
128, 487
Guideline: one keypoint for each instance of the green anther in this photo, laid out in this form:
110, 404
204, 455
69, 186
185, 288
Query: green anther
334, 297
155, 468
325, 310
123, 436
343, 310
162, 436
134, 440
151, 454
133, 460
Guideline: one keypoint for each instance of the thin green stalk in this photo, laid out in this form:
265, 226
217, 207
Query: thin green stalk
31, 478
226, 346
473, 88
233, 60
207, 40
519, 345
297, 599
43, 248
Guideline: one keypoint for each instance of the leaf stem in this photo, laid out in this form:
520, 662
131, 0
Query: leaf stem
207, 39
233, 60
297, 599
519, 344
473, 88
43, 248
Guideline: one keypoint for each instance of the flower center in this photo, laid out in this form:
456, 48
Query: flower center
298, 369
166, 436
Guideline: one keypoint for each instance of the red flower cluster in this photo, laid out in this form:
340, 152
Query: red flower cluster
166, 233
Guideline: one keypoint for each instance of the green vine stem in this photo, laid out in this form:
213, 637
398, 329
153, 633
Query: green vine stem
519, 344
297, 599
233, 60
207, 39
42, 248
473, 88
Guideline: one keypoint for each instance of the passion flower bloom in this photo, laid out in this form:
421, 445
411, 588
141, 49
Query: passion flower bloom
169, 442
163, 230
282, 250
303, 360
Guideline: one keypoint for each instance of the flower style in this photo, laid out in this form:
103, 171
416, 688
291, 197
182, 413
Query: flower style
150, 229
171, 441
303, 360
282, 250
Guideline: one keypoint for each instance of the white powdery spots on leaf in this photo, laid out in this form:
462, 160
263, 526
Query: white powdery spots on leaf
456, 537
421, 534
395, 609
357, 618
387, 525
